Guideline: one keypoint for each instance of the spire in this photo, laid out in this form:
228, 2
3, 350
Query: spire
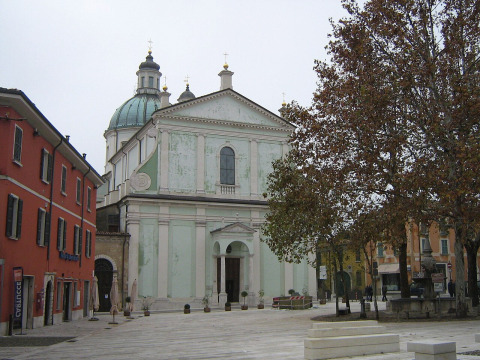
225, 76
149, 75
283, 109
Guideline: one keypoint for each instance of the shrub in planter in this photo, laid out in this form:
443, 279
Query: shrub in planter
126, 309
228, 306
186, 309
260, 299
244, 295
205, 302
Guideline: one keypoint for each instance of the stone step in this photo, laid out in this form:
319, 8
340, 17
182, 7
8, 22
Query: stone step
433, 350
346, 331
477, 337
348, 341
339, 324
348, 350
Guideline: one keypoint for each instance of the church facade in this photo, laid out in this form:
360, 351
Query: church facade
185, 182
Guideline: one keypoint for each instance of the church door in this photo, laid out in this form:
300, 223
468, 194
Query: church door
232, 278
104, 274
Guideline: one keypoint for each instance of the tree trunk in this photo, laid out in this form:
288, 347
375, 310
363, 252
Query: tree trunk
472, 250
402, 260
461, 305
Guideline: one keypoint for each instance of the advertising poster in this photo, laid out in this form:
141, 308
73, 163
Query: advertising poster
17, 297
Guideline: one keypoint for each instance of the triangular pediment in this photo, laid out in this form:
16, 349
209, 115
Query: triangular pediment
226, 107
234, 228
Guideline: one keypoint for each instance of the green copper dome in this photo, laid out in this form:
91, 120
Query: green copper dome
135, 112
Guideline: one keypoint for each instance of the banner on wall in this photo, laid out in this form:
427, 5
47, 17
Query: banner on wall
17, 296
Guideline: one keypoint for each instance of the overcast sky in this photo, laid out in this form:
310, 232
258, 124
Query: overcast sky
77, 59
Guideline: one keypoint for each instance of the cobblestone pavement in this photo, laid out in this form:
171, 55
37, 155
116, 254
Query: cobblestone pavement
251, 334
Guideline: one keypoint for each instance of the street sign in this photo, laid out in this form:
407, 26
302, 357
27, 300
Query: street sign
449, 266
322, 272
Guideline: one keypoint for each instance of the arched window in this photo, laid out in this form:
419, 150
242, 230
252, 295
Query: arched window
227, 166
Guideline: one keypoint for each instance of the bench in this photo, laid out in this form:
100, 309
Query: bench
328, 340
433, 350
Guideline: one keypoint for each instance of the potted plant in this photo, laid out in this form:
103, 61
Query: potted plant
146, 303
244, 295
205, 302
228, 306
260, 299
291, 292
186, 309
126, 308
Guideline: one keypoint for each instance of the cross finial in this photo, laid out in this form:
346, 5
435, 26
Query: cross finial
226, 54
186, 79
283, 103
150, 42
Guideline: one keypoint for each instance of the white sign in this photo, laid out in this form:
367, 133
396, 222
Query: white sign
438, 287
322, 272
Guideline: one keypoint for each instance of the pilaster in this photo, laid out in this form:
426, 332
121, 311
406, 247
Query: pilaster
200, 164
164, 164
253, 167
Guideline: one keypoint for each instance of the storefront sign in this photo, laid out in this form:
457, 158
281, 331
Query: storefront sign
17, 294
69, 257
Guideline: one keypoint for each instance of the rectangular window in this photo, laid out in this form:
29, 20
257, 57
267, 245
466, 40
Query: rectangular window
88, 244
75, 298
46, 164
43, 227
143, 82
64, 180
150, 81
59, 294
17, 146
13, 228
358, 256
79, 190
61, 235
89, 198
380, 249
77, 240
444, 246
422, 244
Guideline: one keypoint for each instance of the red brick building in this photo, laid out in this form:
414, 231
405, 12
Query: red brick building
47, 219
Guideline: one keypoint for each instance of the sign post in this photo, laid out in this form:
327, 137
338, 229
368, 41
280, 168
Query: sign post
449, 267
17, 297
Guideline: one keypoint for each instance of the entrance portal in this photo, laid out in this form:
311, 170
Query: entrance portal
104, 274
48, 315
66, 301
232, 278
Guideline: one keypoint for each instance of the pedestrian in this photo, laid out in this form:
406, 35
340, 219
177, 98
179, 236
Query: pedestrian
451, 288
384, 293
370, 292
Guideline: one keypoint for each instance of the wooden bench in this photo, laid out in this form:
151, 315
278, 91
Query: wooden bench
433, 350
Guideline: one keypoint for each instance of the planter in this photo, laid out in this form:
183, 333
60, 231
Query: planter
343, 300
126, 313
228, 308
244, 307
206, 309
186, 311
323, 301
260, 306
146, 313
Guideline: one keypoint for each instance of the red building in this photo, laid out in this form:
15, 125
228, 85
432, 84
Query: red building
47, 219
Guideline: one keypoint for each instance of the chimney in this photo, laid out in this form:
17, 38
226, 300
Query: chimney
225, 78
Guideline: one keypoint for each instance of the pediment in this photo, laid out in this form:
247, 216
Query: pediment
234, 228
227, 107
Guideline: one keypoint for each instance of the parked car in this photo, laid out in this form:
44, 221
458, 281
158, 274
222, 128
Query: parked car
416, 289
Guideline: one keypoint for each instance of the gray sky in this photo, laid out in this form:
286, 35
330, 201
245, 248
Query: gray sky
77, 59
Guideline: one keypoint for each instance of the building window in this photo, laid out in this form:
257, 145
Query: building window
422, 244
89, 200
143, 82
79, 190
64, 180
88, 244
61, 235
150, 81
43, 227
358, 276
380, 249
158, 83
77, 240
46, 164
444, 246
114, 223
17, 145
227, 166
14, 217
358, 256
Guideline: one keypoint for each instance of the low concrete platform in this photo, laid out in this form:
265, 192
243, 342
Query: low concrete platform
433, 350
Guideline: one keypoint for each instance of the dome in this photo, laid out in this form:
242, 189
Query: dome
186, 95
135, 112
149, 63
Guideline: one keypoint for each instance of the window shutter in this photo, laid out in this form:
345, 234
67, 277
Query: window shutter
46, 238
9, 227
59, 234
19, 218
49, 167
42, 159
80, 230
64, 242
39, 226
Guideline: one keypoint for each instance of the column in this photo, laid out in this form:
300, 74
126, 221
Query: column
253, 168
200, 164
222, 297
257, 274
163, 239
133, 228
251, 291
215, 285
164, 161
289, 278
200, 258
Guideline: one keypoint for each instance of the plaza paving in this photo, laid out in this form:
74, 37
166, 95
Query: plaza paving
251, 334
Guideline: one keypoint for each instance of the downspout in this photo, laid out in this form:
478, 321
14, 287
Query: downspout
51, 202
125, 241
83, 208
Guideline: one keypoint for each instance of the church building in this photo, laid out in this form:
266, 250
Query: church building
182, 208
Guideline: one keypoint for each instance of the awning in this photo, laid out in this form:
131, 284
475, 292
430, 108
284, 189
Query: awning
388, 268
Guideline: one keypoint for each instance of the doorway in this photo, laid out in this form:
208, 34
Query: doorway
232, 278
27, 316
66, 301
104, 274
48, 315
